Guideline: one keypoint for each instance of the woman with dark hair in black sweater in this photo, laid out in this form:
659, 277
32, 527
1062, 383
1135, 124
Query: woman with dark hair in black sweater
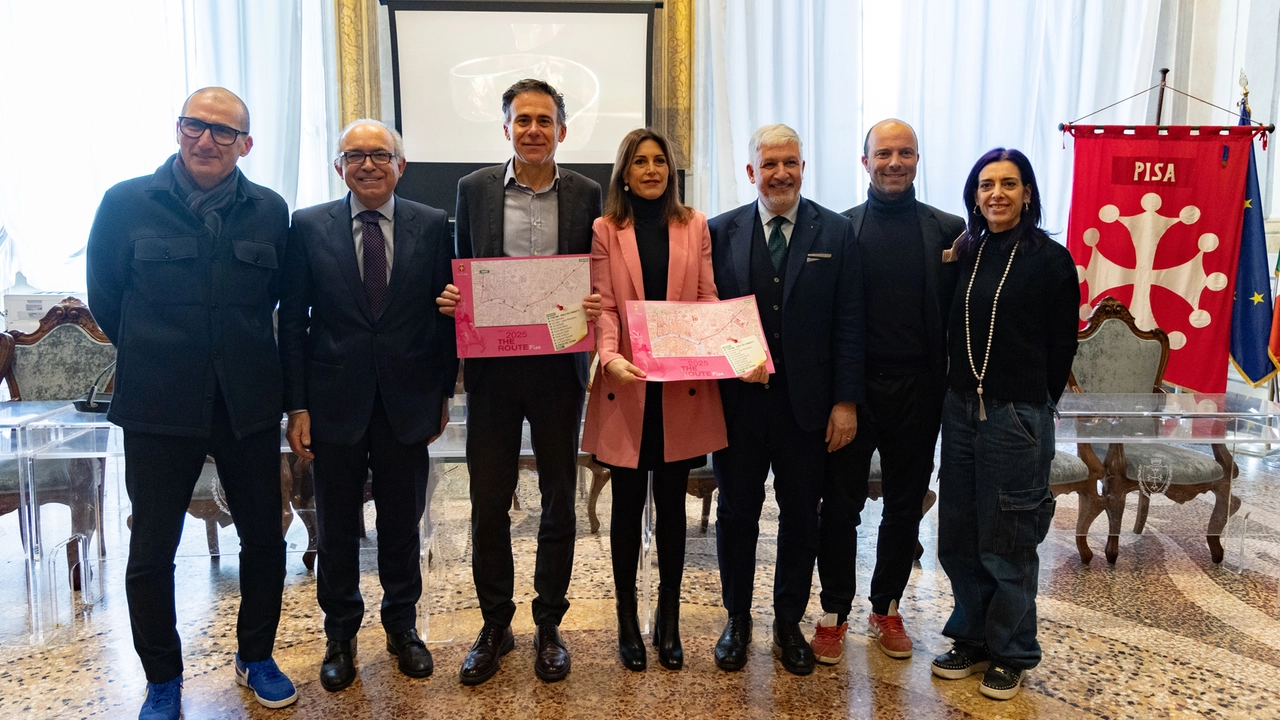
1011, 340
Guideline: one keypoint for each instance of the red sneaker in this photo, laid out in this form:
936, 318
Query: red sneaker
892, 638
828, 640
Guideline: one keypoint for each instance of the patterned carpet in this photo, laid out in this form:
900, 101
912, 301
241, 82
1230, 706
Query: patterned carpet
1162, 633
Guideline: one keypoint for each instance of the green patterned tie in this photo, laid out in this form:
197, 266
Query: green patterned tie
777, 242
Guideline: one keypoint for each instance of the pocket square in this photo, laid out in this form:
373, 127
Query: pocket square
819, 256
813, 259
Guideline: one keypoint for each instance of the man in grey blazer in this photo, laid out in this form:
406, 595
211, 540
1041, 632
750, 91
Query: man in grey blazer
908, 293
528, 206
368, 370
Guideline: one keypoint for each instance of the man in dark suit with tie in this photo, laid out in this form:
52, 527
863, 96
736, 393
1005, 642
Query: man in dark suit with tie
368, 371
526, 207
798, 259
908, 298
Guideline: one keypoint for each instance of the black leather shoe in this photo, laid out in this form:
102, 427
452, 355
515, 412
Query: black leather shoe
415, 658
961, 661
630, 644
486, 654
552, 662
791, 648
1001, 682
731, 649
338, 670
666, 630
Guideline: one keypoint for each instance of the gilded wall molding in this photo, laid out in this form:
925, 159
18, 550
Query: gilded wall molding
673, 76
360, 85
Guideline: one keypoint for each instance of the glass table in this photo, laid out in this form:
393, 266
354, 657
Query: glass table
68, 487
77, 510
73, 507
1143, 423
17, 496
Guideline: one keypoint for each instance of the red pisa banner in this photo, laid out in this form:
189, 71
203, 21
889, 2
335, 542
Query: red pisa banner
1155, 223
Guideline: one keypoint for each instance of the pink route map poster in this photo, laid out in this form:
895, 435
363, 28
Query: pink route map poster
697, 341
505, 304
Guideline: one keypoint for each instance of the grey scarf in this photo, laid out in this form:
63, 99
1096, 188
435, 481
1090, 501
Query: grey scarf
209, 205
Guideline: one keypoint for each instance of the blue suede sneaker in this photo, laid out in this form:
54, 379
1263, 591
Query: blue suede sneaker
163, 702
272, 688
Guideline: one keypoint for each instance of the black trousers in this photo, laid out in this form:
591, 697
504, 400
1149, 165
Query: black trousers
545, 390
763, 434
400, 475
630, 488
160, 474
901, 418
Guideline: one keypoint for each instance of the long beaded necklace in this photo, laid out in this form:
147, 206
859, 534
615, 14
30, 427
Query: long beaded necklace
968, 344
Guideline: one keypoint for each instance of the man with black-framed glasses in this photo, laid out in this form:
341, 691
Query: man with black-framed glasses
183, 278
194, 128
368, 371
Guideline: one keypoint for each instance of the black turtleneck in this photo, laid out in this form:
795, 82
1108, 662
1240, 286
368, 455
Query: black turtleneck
891, 245
1036, 318
653, 243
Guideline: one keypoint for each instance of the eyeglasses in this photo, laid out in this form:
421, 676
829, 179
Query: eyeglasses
355, 157
222, 135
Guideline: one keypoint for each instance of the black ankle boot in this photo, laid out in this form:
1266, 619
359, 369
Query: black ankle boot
666, 629
630, 644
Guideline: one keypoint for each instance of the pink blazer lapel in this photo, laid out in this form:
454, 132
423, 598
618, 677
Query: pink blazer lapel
679, 262
631, 256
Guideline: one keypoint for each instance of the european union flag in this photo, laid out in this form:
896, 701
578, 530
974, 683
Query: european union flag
1251, 316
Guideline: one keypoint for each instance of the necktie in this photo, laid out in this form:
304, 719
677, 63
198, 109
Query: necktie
375, 261
777, 242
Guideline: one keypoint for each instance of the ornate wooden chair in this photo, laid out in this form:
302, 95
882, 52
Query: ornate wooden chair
1111, 358
1075, 474
1115, 356
58, 361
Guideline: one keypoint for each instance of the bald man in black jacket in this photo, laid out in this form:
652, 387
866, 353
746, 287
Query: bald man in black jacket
908, 293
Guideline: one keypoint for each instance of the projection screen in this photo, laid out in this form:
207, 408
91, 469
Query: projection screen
453, 60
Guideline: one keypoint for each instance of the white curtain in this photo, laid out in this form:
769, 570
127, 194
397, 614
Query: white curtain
90, 91
253, 49
969, 75
1005, 73
1207, 45
766, 61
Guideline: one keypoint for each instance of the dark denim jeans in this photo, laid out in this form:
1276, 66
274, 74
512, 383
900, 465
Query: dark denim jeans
994, 508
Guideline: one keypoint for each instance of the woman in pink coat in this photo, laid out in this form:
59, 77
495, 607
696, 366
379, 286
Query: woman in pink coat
648, 246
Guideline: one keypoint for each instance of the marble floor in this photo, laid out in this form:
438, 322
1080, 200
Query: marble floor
1164, 633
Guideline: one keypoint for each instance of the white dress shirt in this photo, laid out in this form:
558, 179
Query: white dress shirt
787, 227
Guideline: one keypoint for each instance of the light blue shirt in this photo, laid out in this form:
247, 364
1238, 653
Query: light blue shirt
530, 218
